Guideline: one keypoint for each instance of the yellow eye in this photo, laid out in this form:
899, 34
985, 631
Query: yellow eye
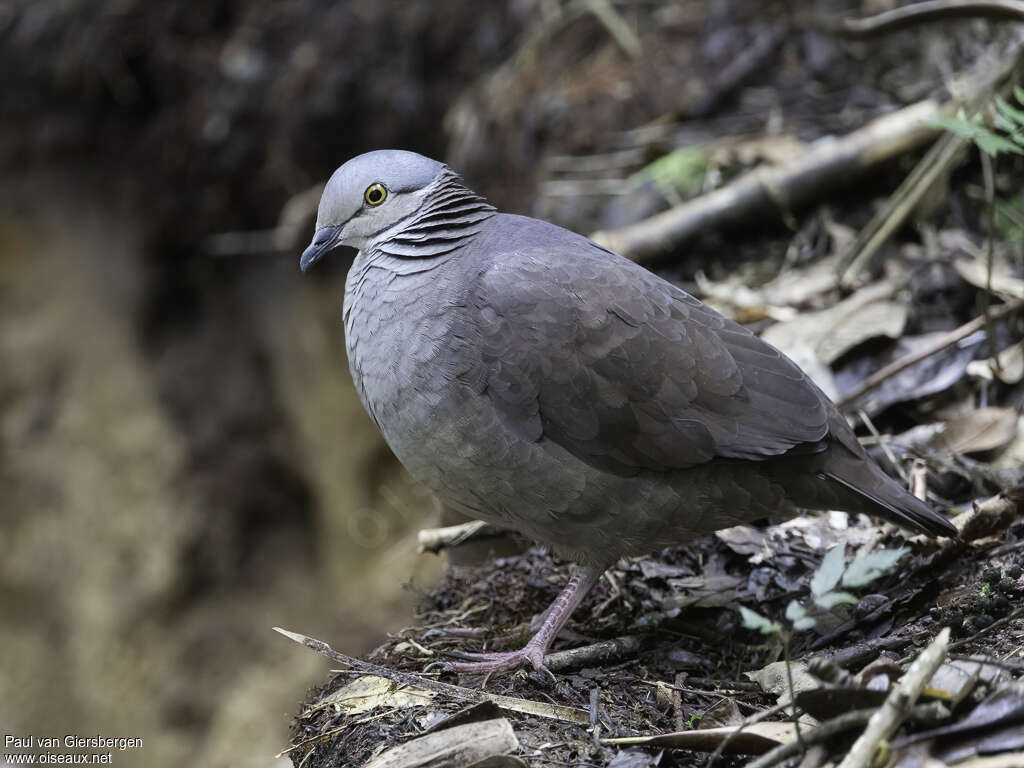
375, 194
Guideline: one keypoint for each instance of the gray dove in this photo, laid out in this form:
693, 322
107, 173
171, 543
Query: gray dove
535, 380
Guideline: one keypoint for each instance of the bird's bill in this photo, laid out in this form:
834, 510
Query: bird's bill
325, 239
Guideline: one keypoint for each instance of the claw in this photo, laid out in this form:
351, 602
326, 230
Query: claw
534, 651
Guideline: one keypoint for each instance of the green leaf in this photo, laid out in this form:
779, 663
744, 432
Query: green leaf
1013, 115
830, 600
868, 568
798, 616
795, 611
1019, 93
1004, 123
680, 172
992, 144
830, 571
754, 620
959, 125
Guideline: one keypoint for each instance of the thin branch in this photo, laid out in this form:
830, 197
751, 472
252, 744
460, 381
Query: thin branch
887, 719
896, 366
921, 13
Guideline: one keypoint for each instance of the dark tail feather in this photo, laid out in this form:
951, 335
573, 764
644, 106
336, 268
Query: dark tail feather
888, 498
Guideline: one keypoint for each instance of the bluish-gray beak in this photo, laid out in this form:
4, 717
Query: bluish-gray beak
325, 239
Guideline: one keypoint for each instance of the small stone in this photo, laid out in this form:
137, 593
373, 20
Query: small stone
1013, 571
991, 575
982, 620
1007, 586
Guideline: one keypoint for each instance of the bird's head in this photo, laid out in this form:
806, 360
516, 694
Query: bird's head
367, 196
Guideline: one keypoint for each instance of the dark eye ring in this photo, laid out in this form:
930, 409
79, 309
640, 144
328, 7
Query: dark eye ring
375, 194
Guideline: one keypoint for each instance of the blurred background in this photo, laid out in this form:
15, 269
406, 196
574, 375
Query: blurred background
183, 460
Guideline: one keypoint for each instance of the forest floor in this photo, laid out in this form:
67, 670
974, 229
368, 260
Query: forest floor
911, 268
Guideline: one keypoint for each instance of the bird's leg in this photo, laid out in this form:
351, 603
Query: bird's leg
581, 581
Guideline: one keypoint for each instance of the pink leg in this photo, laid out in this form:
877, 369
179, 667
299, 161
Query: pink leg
582, 580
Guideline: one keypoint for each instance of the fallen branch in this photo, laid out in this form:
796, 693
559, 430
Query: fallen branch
951, 338
828, 162
993, 515
510, 703
591, 655
897, 706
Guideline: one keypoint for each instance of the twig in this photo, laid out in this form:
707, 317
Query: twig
921, 13
617, 28
826, 163
897, 706
951, 338
883, 442
540, 709
436, 539
606, 650
899, 206
998, 663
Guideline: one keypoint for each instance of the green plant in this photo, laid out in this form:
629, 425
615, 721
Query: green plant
679, 175
1006, 133
825, 593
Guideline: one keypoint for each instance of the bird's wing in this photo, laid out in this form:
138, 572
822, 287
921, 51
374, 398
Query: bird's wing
625, 370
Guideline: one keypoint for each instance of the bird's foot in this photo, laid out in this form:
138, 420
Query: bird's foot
499, 661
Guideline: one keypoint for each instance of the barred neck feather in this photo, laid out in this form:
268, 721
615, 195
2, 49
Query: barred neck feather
450, 215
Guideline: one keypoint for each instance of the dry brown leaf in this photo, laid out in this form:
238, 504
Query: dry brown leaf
1004, 284
982, 429
370, 691
866, 314
1007, 366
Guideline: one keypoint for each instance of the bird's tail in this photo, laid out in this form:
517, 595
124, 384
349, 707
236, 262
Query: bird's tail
883, 496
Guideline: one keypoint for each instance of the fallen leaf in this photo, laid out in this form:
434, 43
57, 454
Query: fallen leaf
975, 272
773, 679
866, 314
1007, 366
370, 691
745, 540
978, 430
936, 373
